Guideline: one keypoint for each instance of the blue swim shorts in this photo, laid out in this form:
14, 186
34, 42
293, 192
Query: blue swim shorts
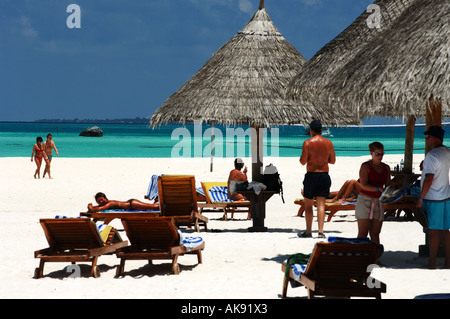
438, 214
316, 184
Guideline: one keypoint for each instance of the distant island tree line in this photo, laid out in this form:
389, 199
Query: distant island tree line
137, 120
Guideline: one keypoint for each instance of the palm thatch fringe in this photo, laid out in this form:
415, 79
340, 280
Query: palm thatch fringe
403, 68
308, 86
244, 82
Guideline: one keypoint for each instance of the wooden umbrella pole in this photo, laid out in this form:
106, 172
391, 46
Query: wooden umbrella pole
433, 116
409, 144
212, 148
257, 153
261, 4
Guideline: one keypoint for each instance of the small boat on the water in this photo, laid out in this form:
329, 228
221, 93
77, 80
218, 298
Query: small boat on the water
325, 131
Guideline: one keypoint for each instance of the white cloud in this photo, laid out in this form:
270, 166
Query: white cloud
27, 30
310, 2
246, 6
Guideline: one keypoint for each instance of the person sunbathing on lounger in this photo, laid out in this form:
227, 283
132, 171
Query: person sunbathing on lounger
348, 192
132, 204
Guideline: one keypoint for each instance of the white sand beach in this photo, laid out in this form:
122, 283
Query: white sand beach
237, 264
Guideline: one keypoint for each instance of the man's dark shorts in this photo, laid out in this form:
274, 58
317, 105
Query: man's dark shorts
316, 184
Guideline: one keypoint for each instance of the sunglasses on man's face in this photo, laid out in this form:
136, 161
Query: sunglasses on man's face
378, 154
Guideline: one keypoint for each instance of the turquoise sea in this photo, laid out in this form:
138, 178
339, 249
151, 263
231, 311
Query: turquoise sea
134, 140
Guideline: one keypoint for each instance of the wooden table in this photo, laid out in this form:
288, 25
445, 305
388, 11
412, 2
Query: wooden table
258, 208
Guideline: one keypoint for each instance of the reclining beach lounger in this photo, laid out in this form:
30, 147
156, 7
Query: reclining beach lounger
110, 215
156, 238
330, 208
405, 203
338, 269
178, 199
76, 240
152, 190
216, 194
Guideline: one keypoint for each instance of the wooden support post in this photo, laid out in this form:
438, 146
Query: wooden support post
257, 153
409, 144
261, 4
433, 115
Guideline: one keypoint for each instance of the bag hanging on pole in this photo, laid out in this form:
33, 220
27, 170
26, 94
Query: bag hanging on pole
271, 178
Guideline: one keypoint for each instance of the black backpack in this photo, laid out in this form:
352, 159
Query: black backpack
271, 178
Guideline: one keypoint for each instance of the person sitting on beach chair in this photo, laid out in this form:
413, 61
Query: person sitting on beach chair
236, 178
132, 204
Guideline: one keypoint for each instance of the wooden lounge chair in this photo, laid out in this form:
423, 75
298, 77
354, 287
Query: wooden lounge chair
109, 216
408, 204
154, 238
76, 240
224, 207
178, 199
330, 208
339, 270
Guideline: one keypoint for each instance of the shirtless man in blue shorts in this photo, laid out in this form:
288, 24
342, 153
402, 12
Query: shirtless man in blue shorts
317, 153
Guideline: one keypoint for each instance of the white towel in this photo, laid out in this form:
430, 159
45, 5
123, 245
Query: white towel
257, 187
190, 242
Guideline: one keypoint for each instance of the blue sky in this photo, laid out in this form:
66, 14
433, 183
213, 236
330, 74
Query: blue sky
129, 56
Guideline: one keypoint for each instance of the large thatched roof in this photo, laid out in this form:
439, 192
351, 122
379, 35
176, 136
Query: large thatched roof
400, 70
243, 83
307, 87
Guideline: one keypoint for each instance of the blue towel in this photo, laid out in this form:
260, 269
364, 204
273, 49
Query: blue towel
344, 240
152, 190
200, 191
297, 270
219, 194
63, 217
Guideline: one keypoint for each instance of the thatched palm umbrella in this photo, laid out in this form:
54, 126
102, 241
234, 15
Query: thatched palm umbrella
394, 72
308, 86
243, 83
403, 72
400, 70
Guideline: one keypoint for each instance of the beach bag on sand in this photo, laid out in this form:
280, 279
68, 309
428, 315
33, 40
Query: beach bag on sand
272, 180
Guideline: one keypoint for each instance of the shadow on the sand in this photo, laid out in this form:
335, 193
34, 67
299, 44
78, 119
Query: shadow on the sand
402, 260
151, 270
84, 271
389, 259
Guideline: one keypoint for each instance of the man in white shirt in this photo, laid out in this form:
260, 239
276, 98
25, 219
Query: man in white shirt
435, 194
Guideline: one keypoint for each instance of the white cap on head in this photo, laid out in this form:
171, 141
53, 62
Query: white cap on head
239, 160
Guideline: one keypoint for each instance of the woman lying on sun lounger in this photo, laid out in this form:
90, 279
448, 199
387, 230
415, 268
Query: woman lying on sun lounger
348, 192
132, 204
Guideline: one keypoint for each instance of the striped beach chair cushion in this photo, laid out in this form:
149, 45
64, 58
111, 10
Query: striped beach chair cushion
219, 194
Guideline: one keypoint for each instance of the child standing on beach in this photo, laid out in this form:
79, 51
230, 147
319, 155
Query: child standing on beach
39, 154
